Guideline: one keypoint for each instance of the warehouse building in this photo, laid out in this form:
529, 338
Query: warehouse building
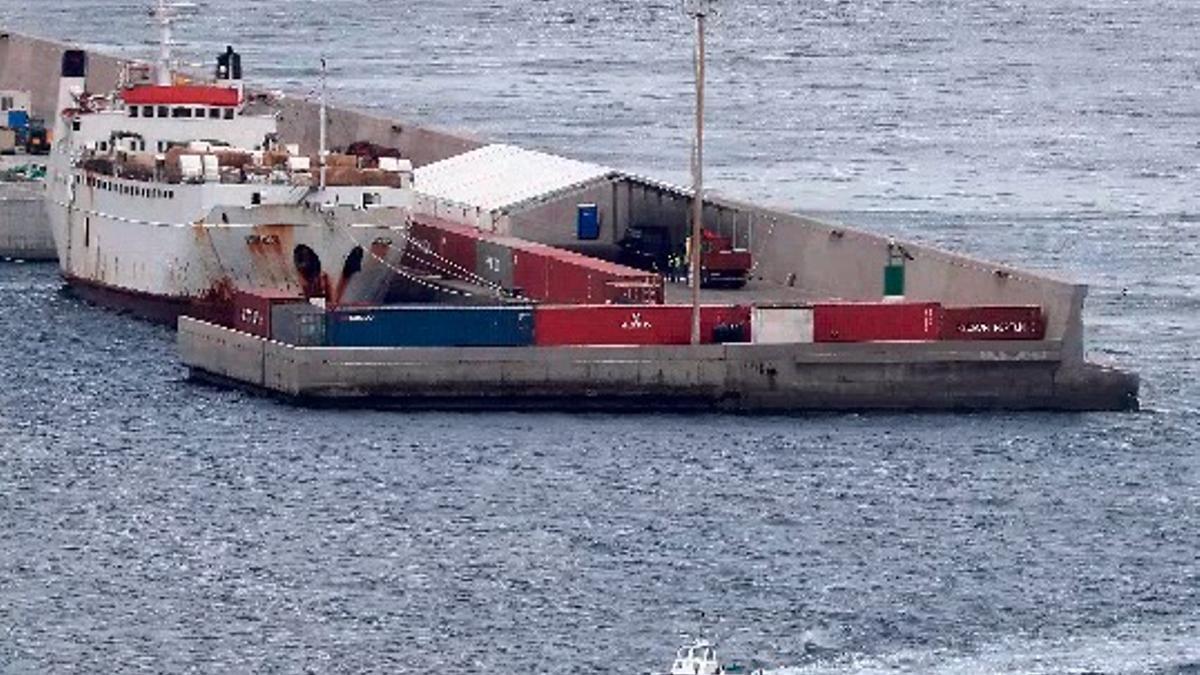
561, 202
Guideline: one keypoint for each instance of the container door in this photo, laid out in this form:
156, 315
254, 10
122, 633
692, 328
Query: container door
893, 281
494, 263
588, 222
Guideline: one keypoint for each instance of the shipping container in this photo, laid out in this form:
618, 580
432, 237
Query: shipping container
541, 273
456, 251
783, 325
877, 322
252, 309
994, 323
442, 248
299, 324
568, 280
531, 271
731, 323
634, 292
18, 120
494, 260
431, 326
631, 325
418, 248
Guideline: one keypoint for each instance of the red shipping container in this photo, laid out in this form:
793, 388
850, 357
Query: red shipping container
531, 271
419, 248
442, 247
542, 273
630, 325
579, 279
598, 281
567, 281
625, 292
877, 322
252, 309
994, 323
457, 251
712, 318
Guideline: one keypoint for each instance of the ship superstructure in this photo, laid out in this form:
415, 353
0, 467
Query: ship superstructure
167, 194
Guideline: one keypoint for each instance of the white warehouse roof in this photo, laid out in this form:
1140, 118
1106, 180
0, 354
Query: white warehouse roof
497, 177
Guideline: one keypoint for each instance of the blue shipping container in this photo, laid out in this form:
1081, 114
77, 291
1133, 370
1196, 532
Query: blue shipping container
18, 119
404, 326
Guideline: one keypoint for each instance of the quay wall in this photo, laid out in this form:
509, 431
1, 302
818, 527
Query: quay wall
818, 259
731, 378
24, 223
832, 260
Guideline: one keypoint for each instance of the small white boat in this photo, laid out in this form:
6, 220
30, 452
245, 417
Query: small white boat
700, 658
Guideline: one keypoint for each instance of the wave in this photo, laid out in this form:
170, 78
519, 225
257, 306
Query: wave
1143, 649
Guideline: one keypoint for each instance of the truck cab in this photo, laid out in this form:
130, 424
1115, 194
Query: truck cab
721, 264
36, 139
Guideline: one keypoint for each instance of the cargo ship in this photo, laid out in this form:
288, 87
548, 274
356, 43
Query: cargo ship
168, 195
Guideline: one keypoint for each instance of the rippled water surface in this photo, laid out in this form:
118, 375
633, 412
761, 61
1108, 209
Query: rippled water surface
147, 524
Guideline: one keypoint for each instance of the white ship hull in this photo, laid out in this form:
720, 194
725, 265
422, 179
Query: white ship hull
148, 217
161, 256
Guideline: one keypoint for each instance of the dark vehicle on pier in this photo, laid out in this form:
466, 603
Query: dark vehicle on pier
721, 265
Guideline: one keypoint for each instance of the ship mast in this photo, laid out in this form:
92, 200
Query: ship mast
162, 75
699, 9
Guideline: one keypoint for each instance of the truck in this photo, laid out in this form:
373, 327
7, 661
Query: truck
649, 247
721, 264
30, 134
35, 139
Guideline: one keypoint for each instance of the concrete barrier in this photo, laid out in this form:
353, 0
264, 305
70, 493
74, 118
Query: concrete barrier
24, 223
823, 259
224, 353
731, 378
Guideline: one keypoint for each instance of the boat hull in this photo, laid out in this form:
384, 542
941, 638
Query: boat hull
154, 308
140, 261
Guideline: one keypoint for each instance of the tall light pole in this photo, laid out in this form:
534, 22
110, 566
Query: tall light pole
323, 153
699, 9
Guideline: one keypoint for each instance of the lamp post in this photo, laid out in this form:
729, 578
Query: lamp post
323, 153
698, 9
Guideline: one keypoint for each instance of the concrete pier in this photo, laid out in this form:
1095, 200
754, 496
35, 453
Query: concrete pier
747, 379
24, 223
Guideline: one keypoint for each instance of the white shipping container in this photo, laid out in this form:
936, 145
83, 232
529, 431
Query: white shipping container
782, 325
212, 168
191, 166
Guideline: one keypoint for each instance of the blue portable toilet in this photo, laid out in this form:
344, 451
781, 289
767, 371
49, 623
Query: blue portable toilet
18, 119
588, 222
